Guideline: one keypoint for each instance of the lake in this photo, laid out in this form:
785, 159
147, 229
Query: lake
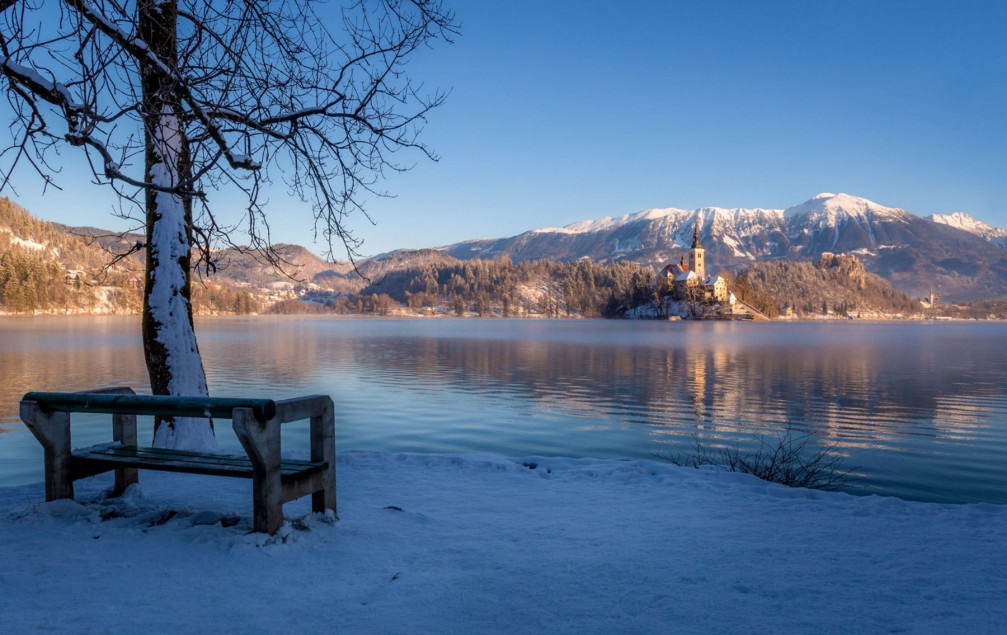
919, 408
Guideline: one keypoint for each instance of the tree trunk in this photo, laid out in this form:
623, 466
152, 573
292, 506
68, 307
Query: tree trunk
169, 339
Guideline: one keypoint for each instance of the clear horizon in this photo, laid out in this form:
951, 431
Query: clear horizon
558, 116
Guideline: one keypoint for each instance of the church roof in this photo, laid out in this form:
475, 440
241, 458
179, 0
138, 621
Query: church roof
687, 275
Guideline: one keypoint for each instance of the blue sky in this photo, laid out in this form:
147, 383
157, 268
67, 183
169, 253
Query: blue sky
565, 111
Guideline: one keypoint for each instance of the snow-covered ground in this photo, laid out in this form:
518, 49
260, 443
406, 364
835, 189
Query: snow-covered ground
484, 543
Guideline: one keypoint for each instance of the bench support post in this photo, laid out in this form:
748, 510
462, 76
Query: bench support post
261, 440
52, 430
124, 432
323, 448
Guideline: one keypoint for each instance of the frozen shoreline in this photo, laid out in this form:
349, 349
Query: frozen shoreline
484, 543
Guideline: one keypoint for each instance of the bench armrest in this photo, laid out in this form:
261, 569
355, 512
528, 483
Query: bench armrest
298, 408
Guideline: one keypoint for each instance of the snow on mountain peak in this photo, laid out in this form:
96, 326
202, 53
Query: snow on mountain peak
609, 222
824, 208
961, 220
831, 207
821, 211
703, 215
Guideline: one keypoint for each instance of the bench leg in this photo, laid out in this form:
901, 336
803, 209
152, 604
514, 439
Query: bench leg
53, 431
261, 441
323, 448
124, 432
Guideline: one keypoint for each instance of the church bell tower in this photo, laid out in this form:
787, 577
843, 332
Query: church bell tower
697, 261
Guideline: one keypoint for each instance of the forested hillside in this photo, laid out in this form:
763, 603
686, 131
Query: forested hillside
44, 269
836, 284
539, 287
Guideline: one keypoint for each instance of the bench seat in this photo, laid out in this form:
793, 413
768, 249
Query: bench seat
101, 458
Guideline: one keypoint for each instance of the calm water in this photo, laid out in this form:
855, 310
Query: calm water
921, 408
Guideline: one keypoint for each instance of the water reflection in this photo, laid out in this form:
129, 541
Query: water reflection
848, 391
920, 407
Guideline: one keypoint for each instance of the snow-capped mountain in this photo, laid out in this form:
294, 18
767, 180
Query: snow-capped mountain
823, 223
961, 220
740, 233
840, 222
910, 251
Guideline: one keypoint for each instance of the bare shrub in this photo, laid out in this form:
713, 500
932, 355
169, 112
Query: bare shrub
787, 460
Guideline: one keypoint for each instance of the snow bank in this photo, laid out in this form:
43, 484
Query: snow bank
477, 543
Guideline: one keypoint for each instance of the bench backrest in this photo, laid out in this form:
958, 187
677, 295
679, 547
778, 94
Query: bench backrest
201, 407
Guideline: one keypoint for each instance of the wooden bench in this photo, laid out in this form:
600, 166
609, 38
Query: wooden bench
256, 422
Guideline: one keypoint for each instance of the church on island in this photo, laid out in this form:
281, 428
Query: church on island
690, 293
689, 281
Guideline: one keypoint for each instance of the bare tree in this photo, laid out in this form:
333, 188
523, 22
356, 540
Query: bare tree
173, 101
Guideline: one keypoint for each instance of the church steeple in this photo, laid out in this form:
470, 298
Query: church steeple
696, 254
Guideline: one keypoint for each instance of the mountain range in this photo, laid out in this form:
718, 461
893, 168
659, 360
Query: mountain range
957, 256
